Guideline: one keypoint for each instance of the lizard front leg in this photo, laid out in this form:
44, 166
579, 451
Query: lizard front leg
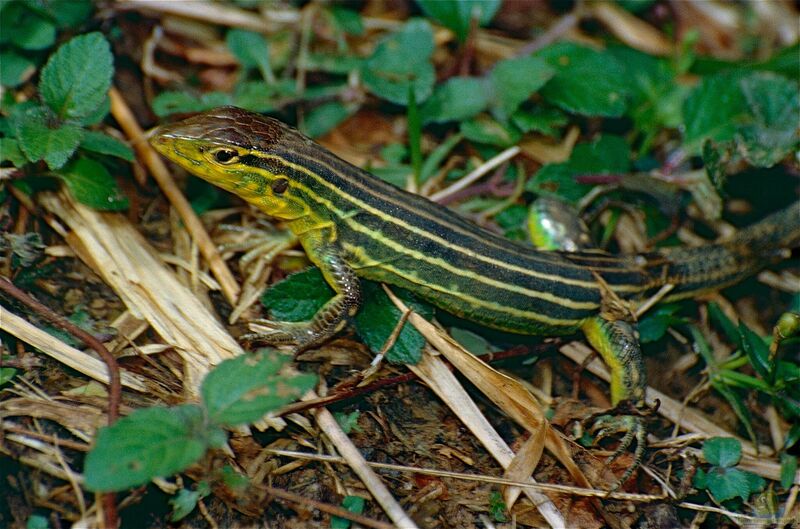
332, 317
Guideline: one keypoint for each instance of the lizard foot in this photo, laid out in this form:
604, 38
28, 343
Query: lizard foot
300, 334
632, 428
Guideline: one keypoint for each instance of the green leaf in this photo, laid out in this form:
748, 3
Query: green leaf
498, 507
456, 99
458, 14
241, 390
792, 437
15, 69
354, 504
70, 13
713, 110
728, 483
774, 102
10, 151
721, 319
324, 118
400, 60
91, 184
167, 103
569, 89
378, 317
656, 98
298, 297
347, 20
102, 143
635, 6
149, 443
757, 351
251, 50
655, 324
37, 521
514, 81
6, 374
42, 138
348, 422
474, 343
437, 156
26, 28
788, 470
546, 120
184, 503
76, 78
484, 129
722, 451
608, 154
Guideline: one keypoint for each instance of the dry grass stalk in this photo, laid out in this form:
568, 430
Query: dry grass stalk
111, 246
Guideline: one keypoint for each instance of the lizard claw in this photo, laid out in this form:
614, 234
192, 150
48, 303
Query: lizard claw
632, 428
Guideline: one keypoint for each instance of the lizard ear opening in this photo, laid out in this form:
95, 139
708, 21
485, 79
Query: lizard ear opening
279, 186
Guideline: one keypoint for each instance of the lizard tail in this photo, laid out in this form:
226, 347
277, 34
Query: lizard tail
713, 266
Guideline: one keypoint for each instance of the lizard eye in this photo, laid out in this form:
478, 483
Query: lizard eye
226, 156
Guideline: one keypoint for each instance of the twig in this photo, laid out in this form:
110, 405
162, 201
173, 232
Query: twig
326, 508
114, 386
358, 464
122, 113
477, 173
345, 390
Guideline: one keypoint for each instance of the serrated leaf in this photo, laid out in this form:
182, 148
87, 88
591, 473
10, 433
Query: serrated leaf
251, 50
514, 81
713, 110
149, 443
167, 103
378, 317
608, 154
15, 69
102, 143
401, 60
722, 451
656, 99
241, 390
91, 184
774, 103
42, 138
728, 483
10, 151
298, 297
456, 99
458, 14
76, 78
605, 95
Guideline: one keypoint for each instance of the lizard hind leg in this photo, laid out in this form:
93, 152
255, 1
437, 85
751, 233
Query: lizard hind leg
618, 344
